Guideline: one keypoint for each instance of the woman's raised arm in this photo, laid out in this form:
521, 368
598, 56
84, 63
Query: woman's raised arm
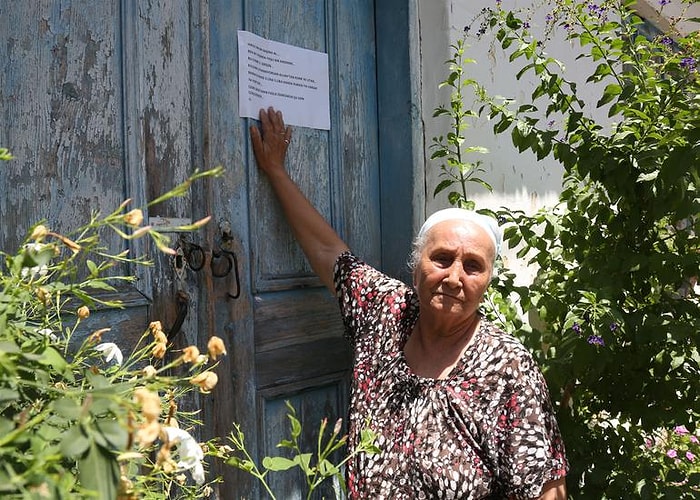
319, 241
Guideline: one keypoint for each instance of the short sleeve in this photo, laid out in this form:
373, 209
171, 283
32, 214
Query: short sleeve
367, 297
531, 448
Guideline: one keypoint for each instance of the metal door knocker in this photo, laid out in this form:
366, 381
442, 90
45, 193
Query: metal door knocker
223, 260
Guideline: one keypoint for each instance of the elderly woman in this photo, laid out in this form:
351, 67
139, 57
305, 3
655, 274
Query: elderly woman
460, 408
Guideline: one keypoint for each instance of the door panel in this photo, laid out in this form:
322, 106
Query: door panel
60, 94
312, 406
104, 101
293, 349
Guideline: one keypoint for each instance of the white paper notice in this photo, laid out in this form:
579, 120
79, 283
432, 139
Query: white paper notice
291, 79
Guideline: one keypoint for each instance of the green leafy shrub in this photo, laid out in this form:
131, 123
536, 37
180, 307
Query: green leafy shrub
614, 309
78, 418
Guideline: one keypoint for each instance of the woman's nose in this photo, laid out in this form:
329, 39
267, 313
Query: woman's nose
454, 274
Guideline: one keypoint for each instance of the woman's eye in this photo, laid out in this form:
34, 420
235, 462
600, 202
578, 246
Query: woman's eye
443, 260
472, 266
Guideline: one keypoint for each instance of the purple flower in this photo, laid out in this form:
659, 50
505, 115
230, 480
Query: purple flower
694, 440
576, 328
688, 63
596, 340
664, 2
667, 40
681, 430
613, 326
690, 456
672, 453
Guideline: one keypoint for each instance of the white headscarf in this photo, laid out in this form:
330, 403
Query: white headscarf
485, 222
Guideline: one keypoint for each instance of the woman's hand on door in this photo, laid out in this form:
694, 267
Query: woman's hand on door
317, 238
270, 141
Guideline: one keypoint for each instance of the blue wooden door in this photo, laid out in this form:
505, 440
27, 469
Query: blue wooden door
285, 330
103, 101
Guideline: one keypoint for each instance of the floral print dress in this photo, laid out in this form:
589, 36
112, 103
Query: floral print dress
486, 431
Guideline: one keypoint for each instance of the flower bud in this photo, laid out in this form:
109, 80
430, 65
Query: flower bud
134, 217
206, 381
216, 347
140, 232
190, 354
83, 312
338, 426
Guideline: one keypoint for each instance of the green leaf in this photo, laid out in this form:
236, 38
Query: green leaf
611, 91
240, 463
113, 433
278, 463
5, 426
442, 186
92, 267
286, 443
295, 426
99, 472
326, 468
75, 442
54, 359
304, 461
67, 408
7, 395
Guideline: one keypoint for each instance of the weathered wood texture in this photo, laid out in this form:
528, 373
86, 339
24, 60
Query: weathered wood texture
285, 329
60, 91
103, 101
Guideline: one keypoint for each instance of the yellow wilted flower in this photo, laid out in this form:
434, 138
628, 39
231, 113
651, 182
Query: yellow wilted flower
96, 336
190, 354
216, 347
75, 248
150, 403
134, 217
163, 459
148, 433
83, 312
155, 326
39, 232
206, 381
161, 338
159, 350
43, 295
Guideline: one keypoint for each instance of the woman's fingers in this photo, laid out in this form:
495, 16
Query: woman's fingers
271, 139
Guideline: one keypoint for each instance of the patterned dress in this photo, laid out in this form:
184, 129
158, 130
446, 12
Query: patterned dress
486, 431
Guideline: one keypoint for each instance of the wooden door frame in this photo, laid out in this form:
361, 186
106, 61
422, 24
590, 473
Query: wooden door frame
401, 152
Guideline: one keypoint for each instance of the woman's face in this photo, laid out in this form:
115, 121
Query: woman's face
454, 268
